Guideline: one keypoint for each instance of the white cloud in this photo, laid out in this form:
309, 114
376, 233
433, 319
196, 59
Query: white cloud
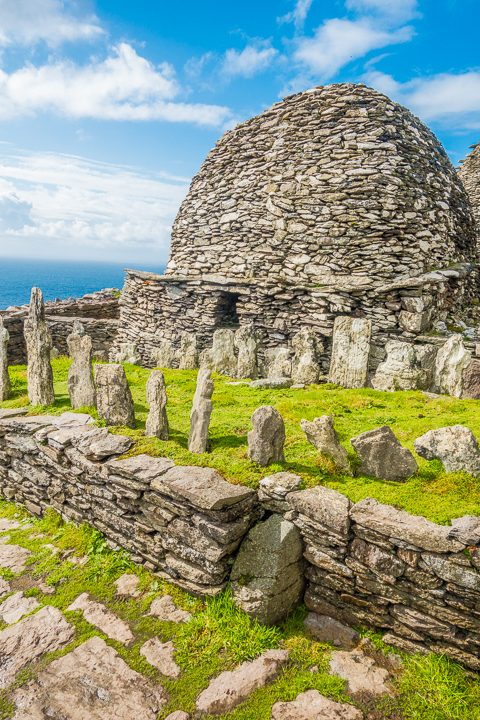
28, 21
68, 206
249, 61
339, 41
298, 14
395, 10
125, 86
446, 97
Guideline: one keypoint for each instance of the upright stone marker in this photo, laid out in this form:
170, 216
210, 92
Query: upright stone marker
39, 343
247, 341
114, 399
4, 376
266, 440
221, 357
350, 351
188, 354
452, 359
201, 411
81, 387
157, 420
163, 355
305, 365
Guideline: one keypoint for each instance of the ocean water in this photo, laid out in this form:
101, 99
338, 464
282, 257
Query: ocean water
58, 278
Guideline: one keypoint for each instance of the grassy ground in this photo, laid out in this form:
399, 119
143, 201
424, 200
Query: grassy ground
217, 638
432, 493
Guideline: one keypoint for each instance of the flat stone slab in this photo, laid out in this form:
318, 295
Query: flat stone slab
230, 689
73, 418
165, 609
203, 487
311, 705
326, 629
361, 673
108, 445
16, 606
272, 383
62, 437
6, 524
323, 505
29, 639
140, 467
161, 656
91, 682
28, 425
399, 524
105, 620
4, 587
6, 413
178, 714
127, 584
14, 557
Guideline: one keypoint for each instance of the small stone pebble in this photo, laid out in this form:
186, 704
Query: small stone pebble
421, 416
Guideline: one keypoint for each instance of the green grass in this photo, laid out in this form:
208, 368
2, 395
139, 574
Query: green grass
218, 637
432, 492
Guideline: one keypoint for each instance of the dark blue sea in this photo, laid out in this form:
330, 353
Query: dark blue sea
59, 279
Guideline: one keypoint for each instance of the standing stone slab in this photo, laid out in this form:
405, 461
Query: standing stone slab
201, 410
322, 435
81, 387
382, 455
266, 440
456, 447
350, 352
4, 376
188, 353
452, 359
39, 343
128, 354
278, 363
399, 371
471, 381
221, 356
247, 341
114, 399
157, 420
91, 682
305, 365
163, 355
267, 576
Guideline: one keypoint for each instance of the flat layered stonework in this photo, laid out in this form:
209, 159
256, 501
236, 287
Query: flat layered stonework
91, 682
323, 505
204, 487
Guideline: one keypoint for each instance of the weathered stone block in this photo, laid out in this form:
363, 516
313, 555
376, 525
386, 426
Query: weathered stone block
350, 352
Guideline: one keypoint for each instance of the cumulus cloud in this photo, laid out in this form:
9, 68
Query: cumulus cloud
250, 61
124, 86
298, 14
85, 209
27, 21
339, 41
446, 97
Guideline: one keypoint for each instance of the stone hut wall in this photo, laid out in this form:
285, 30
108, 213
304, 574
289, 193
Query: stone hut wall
335, 181
469, 174
367, 564
99, 312
157, 307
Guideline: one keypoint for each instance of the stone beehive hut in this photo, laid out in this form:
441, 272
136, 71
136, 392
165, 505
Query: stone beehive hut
469, 174
333, 201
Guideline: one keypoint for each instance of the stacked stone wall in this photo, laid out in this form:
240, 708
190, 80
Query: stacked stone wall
337, 181
155, 308
99, 313
367, 564
469, 174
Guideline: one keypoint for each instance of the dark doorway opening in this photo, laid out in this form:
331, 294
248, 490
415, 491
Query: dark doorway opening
227, 310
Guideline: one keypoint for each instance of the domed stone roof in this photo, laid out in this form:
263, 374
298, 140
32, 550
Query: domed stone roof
469, 174
337, 181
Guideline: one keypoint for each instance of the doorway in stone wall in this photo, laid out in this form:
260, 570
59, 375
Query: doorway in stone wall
227, 310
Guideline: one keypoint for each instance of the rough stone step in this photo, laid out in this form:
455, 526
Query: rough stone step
311, 704
161, 656
165, 609
230, 689
14, 557
16, 606
91, 682
105, 620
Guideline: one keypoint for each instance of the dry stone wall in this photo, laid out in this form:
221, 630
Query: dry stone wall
155, 309
184, 523
469, 174
335, 181
366, 564
98, 312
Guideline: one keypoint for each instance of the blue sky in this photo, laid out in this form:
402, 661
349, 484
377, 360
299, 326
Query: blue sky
107, 109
